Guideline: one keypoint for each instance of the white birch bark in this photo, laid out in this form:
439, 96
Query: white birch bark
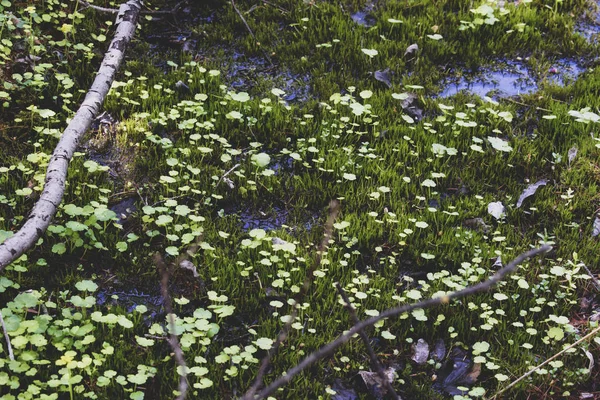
56, 175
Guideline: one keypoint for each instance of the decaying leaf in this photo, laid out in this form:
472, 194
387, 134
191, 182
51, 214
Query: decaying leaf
373, 382
342, 392
420, 352
182, 87
187, 264
410, 105
473, 374
411, 50
572, 154
498, 262
383, 76
596, 226
530, 191
496, 209
590, 356
456, 372
439, 350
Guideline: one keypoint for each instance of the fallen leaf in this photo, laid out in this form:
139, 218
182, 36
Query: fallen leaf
384, 76
596, 226
374, 383
455, 372
590, 356
496, 209
410, 105
530, 191
411, 50
472, 376
439, 350
187, 264
498, 262
343, 393
572, 154
420, 352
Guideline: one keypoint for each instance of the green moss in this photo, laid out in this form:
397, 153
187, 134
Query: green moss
187, 158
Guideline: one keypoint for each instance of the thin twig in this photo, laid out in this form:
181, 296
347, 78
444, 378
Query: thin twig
250, 31
375, 364
98, 8
283, 10
11, 356
173, 341
243, 20
334, 207
114, 10
594, 279
344, 338
531, 371
227, 173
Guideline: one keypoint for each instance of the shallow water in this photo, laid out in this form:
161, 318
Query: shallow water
514, 80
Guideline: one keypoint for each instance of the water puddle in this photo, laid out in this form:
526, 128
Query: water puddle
267, 220
277, 218
512, 80
506, 82
130, 300
589, 28
565, 71
364, 17
245, 73
124, 209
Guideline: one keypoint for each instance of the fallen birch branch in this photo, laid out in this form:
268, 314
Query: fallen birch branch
56, 175
392, 312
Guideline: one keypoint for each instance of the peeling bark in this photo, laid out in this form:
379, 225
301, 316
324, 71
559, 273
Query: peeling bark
56, 174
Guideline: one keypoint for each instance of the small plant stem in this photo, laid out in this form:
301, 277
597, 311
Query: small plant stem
11, 356
531, 371
375, 364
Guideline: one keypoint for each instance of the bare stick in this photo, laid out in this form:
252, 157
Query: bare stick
114, 10
173, 341
98, 8
531, 371
375, 364
594, 279
344, 338
227, 173
250, 31
243, 20
11, 356
56, 174
334, 207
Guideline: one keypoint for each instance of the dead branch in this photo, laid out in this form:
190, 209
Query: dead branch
344, 338
532, 370
173, 341
145, 12
334, 208
56, 175
375, 364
